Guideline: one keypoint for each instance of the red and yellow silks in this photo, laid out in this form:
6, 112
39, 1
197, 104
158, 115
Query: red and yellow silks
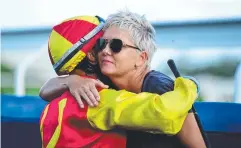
67, 33
64, 124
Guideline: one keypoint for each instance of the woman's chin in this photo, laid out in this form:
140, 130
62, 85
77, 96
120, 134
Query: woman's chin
107, 71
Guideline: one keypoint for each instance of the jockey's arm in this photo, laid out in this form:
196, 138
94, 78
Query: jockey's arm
145, 111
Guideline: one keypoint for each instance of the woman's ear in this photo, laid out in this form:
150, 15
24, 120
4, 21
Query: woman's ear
143, 58
91, 57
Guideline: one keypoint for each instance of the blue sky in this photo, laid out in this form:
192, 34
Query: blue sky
22, 13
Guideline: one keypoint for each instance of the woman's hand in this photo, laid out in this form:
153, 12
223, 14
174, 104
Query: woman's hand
85, 88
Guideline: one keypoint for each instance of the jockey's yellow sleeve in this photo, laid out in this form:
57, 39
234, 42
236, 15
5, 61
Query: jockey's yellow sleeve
64, 124
144, 111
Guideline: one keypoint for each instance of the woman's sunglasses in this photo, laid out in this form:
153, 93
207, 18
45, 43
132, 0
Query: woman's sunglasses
114, 44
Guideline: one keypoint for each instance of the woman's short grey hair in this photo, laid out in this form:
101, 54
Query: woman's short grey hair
140, 29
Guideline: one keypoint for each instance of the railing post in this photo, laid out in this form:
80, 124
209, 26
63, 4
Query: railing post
237, 84
19, 73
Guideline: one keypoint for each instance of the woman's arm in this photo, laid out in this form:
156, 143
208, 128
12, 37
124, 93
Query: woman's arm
190, 134
190, 127
53, 88
79, 87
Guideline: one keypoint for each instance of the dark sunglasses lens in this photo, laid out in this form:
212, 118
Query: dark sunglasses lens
100, 45
116, 45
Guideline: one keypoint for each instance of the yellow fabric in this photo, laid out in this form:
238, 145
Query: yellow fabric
73, 62
55, 137
42, 120
91, 19
145, 111
58, 45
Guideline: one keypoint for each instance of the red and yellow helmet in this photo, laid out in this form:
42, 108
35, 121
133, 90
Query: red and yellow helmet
71, 40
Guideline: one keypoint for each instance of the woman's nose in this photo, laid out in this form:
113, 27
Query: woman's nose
107, 49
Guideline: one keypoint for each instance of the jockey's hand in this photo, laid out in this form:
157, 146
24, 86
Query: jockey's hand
85, 88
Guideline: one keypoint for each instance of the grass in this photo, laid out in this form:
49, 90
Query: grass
200, 99
29, 91
4, 68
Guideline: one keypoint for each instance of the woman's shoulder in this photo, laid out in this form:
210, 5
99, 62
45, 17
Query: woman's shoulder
156, 76
157, 82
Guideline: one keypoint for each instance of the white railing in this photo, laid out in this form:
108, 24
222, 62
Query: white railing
237, 84
20, 72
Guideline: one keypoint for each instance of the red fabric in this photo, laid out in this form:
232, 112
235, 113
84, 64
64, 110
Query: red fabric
50, 121
81, 28
76, 130
73, 30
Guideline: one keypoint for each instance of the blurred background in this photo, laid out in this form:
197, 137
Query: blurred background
202, 36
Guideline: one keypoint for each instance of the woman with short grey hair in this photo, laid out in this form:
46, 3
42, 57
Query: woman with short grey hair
124, 53
141, 31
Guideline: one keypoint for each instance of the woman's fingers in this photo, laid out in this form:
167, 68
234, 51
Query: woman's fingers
100, 84
95, 93
78, 98
90, 94
85, 97
85, 88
